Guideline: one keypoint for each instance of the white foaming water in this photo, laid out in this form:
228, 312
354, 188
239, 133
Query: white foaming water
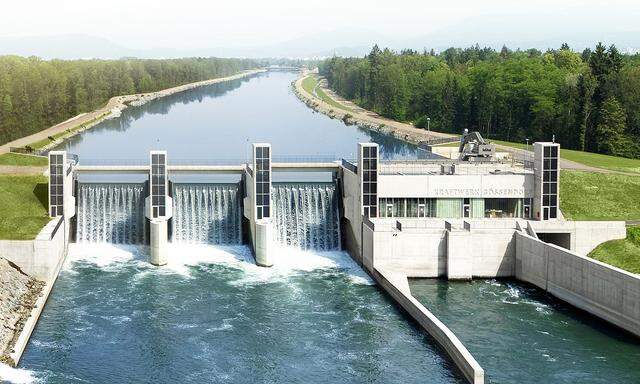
287, 261
207, 214
306, 216
15, 375
112, 213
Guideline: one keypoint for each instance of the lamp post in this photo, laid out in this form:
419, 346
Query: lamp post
429, 124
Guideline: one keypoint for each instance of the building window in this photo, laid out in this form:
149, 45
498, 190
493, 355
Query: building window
550, 182
407, 207
56, 184
158, 184
370, 180
262, 179
466, 208
503, 208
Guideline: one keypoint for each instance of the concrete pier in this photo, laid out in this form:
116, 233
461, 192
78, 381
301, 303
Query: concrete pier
159, 208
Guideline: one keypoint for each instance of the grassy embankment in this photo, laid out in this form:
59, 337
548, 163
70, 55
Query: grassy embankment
24, 206
17, 159
310, 83
596, 196
23, 199
623, 254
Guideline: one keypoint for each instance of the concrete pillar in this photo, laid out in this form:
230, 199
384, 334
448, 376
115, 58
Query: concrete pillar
368, 167
158, 208
158, 254
257, 204
263, 242
546, 168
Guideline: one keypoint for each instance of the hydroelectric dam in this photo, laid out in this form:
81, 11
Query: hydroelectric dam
398, 219
360, 239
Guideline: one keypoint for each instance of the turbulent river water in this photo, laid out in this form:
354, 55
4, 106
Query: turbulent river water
212, 316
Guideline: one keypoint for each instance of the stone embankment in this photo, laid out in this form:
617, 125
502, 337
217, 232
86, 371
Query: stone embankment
112, 109
365, 119
18, 295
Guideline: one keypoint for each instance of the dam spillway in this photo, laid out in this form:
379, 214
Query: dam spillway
306, 216
207, 214
111, 213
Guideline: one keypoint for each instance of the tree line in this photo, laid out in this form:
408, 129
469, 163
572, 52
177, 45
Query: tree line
588, 101
36, 93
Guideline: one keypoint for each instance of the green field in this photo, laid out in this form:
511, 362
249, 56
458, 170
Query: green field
598, 196
24, 206
587, 158
309, 84
623, 254
23, 160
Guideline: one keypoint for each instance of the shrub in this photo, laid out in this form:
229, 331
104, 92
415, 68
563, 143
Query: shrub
633, 234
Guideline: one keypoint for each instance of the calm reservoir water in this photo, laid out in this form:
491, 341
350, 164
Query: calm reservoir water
221, 121
519, 334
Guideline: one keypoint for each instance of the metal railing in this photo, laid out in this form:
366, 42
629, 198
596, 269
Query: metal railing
435, 167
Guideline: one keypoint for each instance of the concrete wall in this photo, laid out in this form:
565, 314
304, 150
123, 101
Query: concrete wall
456, 186
352, 227
39, 257
600, 289
437, 247
419, 249
397, 286
585, 235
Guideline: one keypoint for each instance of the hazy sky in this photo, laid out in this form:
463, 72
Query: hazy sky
194, 24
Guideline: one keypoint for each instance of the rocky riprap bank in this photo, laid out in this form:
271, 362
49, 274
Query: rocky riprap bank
18, 295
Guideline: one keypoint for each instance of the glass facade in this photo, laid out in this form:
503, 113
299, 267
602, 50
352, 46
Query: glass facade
454, 208
550, 182
370, 180
407, 207
158, 184
262, 179
56, 184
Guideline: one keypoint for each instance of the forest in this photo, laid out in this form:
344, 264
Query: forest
586, 100
36, 93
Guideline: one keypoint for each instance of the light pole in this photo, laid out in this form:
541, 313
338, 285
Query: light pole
429, 124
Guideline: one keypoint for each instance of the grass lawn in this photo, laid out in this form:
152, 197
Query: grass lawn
19, 159
598, 196
23, 206
309, 84
623, 254
587, 158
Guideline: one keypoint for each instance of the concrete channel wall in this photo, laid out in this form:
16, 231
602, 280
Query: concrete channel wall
598, 288
41, 258
397, 286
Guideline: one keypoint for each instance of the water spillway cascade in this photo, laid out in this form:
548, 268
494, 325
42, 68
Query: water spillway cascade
111, 213
306, 215
207, 213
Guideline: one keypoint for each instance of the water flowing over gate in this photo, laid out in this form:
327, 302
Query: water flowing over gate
111, 213
207, 214
306, 215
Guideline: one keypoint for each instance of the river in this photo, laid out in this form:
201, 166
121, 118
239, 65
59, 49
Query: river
212, 316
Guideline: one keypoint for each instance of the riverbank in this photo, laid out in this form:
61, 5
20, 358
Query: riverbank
353, 114
18, 296
41, 141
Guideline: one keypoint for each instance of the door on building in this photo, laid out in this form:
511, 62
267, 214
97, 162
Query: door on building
422, 211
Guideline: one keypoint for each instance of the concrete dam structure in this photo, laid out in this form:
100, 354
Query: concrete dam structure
400, 219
